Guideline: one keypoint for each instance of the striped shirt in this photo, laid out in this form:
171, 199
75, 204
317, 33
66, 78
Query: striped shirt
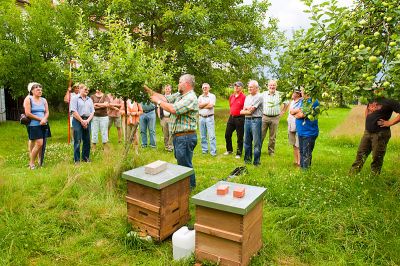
272, 103
187, 110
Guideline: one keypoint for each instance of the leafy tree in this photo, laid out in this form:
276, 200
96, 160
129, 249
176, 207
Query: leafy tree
30, 41
346, 50
218, 41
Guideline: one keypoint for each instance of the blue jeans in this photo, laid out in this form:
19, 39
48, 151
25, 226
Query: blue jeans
148, 121
252, 136
81, 135
306, 147
183, 151
207, 127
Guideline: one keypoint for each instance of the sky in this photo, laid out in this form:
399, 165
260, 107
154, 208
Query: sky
290, 13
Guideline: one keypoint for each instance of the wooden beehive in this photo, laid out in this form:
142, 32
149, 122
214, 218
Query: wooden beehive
228, 229
158, 204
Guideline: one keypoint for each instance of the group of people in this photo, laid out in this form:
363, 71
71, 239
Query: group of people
251, 116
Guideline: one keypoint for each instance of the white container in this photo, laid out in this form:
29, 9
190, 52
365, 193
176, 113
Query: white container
183, 241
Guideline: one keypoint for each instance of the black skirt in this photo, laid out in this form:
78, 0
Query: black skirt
38, 132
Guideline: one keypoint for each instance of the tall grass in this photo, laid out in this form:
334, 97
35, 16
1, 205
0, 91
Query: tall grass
64, 214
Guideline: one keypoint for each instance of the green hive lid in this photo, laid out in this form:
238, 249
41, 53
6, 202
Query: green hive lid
209, 198
171, 175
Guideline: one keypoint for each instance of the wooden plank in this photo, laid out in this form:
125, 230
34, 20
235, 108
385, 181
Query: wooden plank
221, 220
143, 204
202, 255
218, 233
219, 247
252, 232
146, 194
143, 215
144, 228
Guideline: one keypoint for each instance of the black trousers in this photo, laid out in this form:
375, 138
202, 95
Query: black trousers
235, 123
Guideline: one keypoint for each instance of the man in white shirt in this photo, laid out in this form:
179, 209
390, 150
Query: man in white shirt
207, 127
272, 111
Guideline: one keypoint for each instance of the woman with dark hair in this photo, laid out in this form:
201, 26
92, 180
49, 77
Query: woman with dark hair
37, 109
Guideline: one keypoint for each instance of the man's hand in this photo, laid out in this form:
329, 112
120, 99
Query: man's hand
384, 123
148, 90
43, 122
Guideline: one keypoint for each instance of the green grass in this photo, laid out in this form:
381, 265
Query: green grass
67, 215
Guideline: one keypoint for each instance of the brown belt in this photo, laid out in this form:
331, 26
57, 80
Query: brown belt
179, 134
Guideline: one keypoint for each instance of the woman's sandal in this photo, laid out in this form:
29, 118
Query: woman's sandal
32, 167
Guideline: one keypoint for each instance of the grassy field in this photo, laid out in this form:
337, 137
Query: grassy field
63, 214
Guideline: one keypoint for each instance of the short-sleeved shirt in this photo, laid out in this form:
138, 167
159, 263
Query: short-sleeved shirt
236, 103
272, 103
210, 98
291, 118
304, 126
84, 107
380, 108
187, 109
102, 99
71, 96
111, 112
255, 101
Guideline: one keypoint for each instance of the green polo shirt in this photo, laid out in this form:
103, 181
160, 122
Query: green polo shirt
187, 110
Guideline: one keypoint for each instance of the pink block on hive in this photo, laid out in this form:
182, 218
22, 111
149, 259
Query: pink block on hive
222, 190
238, 192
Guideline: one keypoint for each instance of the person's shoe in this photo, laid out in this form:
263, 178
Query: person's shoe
153, 147
144, 146
227, 152
32, 167
237, 156
271, 154
204, 152
213, 155
87, 161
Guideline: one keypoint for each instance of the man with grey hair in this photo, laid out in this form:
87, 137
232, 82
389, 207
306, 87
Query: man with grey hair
252, 110
207, 127
272, 111
183, 107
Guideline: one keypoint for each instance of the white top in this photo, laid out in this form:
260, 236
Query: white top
210, 98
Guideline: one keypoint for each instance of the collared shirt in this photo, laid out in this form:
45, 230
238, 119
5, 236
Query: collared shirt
187, 109
101, 111
255, 101
272, 103
236, 103
210, 98
71, 96
84, 107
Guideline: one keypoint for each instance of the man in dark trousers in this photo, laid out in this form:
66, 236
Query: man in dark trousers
377, 132
235, 120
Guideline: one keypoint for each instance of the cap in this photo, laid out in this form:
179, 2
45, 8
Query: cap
297, 90
238, 83
30, 85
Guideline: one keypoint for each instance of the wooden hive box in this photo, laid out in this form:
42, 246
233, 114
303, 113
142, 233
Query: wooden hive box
158, 204
228, 229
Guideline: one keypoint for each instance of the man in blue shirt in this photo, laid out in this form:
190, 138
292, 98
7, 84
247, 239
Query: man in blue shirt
82, 109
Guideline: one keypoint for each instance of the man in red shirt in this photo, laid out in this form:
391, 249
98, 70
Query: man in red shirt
236, 120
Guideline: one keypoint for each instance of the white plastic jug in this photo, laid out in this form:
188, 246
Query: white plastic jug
183, 241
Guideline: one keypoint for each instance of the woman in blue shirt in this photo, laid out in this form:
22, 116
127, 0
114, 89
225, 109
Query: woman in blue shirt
37, 109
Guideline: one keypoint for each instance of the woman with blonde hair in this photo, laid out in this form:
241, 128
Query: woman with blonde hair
37, 109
